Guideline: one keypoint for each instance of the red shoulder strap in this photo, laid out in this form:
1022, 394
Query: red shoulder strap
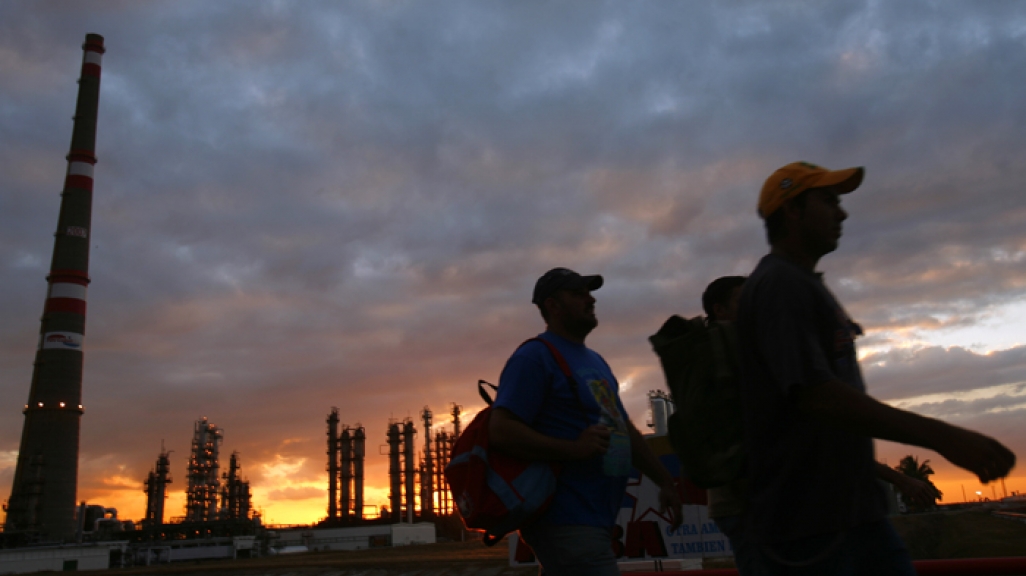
555, 354
563, 366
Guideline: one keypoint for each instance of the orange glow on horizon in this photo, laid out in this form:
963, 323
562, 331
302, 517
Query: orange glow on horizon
952, 485
131, 504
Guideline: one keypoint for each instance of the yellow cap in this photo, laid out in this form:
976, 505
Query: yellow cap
797, 177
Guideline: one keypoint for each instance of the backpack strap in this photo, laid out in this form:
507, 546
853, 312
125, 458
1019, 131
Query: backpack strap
484, 394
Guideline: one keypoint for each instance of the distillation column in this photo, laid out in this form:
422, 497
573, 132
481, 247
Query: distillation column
333, 464
409, 474
427, 471
235, 494
359, 451
394, 472
43, 494
442, 457
201, 494
346, 445
445, 444
156, 489
456, 430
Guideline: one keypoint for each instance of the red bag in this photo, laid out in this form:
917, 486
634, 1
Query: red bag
495, 492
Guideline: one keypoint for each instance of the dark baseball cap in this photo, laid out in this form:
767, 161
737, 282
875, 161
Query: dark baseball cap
563, 279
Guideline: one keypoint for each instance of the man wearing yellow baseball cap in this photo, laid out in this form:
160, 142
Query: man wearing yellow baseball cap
816, 506
797, 177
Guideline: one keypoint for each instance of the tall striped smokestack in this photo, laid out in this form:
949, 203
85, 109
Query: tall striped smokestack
43, 496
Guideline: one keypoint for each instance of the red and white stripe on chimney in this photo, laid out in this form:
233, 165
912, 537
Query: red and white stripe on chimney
67, 290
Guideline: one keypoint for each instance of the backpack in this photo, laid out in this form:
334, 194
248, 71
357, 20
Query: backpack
701, 366
495, 492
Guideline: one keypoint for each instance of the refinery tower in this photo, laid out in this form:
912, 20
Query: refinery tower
43, 495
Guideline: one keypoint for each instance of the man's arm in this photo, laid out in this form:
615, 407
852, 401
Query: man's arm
509, 434
835, 404
646, 461
888, 474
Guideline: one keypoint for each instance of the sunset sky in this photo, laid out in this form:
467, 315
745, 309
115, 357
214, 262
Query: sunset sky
301, 205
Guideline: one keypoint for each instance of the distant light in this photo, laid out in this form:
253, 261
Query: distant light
62, 404
79, 406
978, 493
40, 404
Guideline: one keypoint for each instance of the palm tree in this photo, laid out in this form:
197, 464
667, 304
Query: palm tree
911, 467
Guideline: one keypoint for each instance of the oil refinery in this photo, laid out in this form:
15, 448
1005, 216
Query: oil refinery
46, 529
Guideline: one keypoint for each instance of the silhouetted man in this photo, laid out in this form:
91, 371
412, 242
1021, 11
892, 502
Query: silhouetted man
815, 506
720, 301
538, 416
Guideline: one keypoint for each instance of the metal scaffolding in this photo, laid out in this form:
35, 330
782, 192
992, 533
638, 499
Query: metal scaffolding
359, 452
156, 489
204, 482
333, 463
236, 498
427, 470
345, 445
409, 469
443, 446
455, 413
346, 452
395, 496
417, 486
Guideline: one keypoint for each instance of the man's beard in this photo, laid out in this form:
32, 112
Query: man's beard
582, 326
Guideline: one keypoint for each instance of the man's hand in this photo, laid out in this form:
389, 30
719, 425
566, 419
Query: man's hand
510, 435
979, 454
835, 404
593, 441
669, 503
646, 461
920, 493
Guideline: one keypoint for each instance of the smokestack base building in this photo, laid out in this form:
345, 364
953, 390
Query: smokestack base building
42, 498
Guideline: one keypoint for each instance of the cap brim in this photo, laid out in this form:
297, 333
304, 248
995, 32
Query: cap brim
591, 283
846, 180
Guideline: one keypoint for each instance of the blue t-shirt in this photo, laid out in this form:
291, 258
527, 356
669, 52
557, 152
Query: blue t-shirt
533, 387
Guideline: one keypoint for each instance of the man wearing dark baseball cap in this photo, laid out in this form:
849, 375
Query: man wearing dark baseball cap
563, 279
541, 414
816, 506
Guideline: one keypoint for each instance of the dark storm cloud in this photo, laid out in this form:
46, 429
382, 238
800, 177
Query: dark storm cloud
302, 205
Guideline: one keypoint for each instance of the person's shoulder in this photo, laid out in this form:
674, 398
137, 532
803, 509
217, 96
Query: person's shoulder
598, 358
532, 348
773, 265
527, 362
775, 275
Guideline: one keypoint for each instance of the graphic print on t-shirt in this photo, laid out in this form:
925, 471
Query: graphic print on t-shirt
617, 460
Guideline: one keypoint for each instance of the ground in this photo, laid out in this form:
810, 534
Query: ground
957, 534
961, 534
